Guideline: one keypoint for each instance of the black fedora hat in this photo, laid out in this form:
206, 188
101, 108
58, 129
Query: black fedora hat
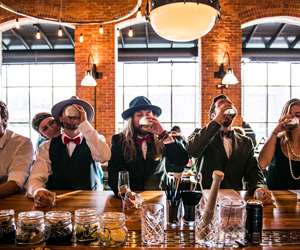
140, 103
59, 107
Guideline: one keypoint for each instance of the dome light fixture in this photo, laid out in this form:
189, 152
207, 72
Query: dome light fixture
183, 20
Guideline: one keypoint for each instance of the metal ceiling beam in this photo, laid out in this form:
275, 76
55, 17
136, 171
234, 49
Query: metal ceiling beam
5, 46
277, 34
272, 54
154, 53
20, 37
147, 34
69, 36
122, 39
295, 41
250, 35
44, 36
38, 56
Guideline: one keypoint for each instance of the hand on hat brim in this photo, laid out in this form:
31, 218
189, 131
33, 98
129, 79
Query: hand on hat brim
83, 116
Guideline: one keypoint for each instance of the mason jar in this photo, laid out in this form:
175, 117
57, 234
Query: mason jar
113, 231
30, 227
86, 225
7, 226
58, 227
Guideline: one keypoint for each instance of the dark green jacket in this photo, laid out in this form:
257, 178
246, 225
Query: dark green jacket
242, 165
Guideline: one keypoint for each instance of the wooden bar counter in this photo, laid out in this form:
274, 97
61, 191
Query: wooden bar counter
281, 220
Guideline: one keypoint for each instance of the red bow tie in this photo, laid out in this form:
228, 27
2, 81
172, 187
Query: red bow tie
75, 140
146, 138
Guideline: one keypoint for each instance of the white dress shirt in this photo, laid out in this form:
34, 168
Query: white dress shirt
16, 156
41, 169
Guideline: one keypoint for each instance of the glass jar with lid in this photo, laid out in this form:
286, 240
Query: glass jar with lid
113, 231
7, 226
86, 225
30, 227
58, 227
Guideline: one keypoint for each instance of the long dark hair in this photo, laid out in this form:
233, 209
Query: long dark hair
128, 137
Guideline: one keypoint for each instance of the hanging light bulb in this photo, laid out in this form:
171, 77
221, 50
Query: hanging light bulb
60, 32
38, 35
130, 32
17, 23
118, 32
81, 38
139, 14
101, 30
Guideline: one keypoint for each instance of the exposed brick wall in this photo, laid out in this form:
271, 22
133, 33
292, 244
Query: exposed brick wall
102, 48
226, 36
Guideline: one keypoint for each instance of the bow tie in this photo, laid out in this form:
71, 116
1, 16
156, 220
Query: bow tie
227, 134
75, 140
146, 138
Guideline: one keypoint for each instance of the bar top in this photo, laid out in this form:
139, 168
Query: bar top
281, 219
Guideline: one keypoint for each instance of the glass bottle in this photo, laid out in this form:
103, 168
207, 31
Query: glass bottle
113, 231
86, 225
58, 227
30, 227
7, 226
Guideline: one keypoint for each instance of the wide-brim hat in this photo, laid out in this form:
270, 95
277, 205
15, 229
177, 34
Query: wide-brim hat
59, 107
140, 103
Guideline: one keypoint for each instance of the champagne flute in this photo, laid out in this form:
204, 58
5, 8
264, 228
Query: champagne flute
123, 186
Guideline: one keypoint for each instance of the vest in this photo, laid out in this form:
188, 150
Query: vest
76, 172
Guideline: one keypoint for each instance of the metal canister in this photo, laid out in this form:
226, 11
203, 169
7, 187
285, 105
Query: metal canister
254, 222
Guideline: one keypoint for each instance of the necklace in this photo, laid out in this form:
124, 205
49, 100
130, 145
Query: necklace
292, 151
290, 163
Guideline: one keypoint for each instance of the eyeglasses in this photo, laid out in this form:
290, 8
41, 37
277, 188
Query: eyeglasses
51, 122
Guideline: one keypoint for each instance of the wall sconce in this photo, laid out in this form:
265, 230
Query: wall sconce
89, 80
227, 75
91, 74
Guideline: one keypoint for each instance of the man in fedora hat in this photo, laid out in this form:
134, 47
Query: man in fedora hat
218, 147
142, 147
69, 161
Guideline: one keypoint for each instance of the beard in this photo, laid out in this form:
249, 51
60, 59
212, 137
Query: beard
69, 126
227, 122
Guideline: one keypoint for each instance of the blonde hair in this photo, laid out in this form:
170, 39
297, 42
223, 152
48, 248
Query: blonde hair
287, 135
128, 137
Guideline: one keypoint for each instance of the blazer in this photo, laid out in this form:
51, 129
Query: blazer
206, 145
144, 174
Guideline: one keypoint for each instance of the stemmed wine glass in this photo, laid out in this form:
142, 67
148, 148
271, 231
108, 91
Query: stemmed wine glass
123, 186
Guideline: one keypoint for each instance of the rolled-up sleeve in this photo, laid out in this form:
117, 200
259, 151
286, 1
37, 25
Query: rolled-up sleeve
41, 169
99, 149
19, 168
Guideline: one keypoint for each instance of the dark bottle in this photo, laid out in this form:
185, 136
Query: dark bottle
254, 222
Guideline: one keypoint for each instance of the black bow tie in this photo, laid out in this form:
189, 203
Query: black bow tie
228, 134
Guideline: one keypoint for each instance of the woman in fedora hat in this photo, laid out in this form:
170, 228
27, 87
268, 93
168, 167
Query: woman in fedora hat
142, 147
